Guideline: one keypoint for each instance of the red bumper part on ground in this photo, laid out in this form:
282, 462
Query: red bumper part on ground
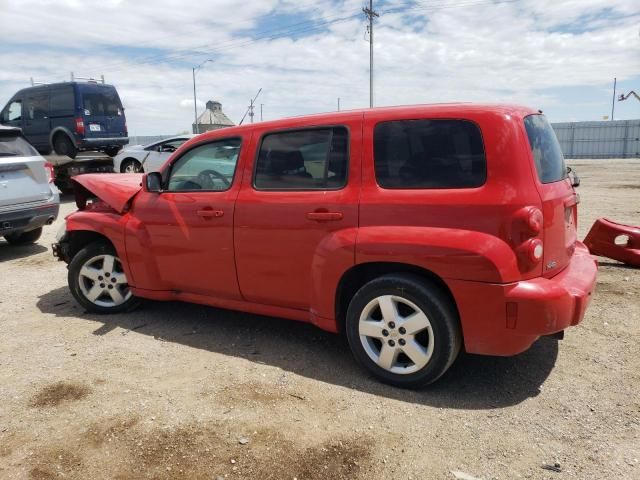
601, 240
505, 319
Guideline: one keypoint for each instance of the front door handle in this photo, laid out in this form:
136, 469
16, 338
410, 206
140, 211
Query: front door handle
324, 216
210, 213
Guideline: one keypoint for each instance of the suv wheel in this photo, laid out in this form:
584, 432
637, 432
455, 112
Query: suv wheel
64, 146
23, 238
403, 330
112, 151
97, 280
131, 165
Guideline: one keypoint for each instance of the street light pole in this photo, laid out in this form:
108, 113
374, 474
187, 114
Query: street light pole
195, 104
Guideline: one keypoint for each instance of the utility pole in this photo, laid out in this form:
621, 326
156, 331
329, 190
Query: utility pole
261, 105
338, 103
195, 105
371, 14
251, 110
613, 102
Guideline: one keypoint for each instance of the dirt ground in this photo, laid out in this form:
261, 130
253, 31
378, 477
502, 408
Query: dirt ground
185, 391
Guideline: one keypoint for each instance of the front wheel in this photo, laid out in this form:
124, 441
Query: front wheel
131, 165
98, 282
403, 330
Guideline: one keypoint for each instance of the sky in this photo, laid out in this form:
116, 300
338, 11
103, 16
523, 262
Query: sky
560, 56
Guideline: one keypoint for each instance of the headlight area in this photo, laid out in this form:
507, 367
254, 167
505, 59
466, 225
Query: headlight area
62, 231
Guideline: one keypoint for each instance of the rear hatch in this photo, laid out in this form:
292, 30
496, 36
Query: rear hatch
23, 177
559, 200
102, 111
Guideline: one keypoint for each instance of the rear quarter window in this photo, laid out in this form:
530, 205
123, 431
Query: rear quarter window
429, 154
545, 148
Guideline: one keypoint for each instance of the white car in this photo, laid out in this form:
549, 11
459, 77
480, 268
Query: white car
28, 198
147, 158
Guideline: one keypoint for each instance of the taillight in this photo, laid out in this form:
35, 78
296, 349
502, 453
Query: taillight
535, 250
527, 227
79, 126
51, 173
534, 220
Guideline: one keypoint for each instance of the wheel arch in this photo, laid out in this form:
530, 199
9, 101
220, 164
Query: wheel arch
357, 276
61, 131
129, 159
78, 239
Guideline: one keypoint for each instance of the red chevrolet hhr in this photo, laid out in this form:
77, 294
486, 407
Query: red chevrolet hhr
417, 231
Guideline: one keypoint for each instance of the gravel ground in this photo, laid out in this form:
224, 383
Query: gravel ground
185, 391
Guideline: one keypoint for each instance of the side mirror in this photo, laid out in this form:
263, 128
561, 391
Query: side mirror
573, 177
152, 182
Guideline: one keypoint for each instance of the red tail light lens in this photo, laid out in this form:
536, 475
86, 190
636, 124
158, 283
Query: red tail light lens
535, 250
79, 126
535, 220
51, 174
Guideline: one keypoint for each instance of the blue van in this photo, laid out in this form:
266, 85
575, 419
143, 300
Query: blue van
69, 117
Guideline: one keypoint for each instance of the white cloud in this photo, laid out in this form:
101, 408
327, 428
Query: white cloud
523, 52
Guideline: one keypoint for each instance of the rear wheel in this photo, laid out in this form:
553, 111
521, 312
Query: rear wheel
24, 238
64, 146
112, 151
403, 330
131, 165
98, 282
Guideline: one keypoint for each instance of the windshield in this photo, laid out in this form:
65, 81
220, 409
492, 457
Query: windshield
104, 102
545, 149
15, 146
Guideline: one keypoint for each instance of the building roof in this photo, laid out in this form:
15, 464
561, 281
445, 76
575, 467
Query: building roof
214, 115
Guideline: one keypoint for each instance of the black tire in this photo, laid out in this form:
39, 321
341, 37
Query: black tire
24, 238
131, 165
64, 146
112, 151
440, 312
89, 252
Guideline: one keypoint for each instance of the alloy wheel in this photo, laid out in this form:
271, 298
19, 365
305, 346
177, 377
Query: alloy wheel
103, 282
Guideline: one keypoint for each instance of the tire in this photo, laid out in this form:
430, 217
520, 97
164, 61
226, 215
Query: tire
64, 146
24, 238
131, 165
112, 151
433, 347
97, 281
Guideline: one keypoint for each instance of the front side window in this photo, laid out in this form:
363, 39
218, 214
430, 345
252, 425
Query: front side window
209, 167
429, 154
13, 112
37, 106
170, 146
545, 148
313, 159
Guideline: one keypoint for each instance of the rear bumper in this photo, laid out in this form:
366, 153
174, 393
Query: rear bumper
27, 219
505, 319
103, 142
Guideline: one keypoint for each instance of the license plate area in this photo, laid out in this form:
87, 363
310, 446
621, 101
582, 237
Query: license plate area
94, 127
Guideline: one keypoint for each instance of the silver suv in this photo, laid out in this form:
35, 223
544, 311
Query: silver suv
28, 198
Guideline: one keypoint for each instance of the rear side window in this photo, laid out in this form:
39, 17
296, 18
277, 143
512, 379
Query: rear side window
429, 154
15, 146
62, 101
103, 102
313, 159
545, 148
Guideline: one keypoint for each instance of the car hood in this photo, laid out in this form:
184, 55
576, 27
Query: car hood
115, 189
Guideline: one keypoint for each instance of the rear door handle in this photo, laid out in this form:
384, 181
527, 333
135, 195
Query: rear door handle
210, 213
324, 216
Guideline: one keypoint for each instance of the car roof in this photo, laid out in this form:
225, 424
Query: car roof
439, 109
168, 139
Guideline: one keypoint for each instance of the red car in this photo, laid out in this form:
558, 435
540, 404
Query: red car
416, 231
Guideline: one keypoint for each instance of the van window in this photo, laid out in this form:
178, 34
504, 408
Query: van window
37, 106
101, 103
545, 148
13, 112
311, 159
429, 154
62, 101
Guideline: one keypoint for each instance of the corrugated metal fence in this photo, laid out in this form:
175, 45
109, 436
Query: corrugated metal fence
617, 139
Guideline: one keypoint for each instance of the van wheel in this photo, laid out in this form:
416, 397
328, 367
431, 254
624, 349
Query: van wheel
112, 151
131, 165
403, 330
64, 146
24, 238
98, 282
